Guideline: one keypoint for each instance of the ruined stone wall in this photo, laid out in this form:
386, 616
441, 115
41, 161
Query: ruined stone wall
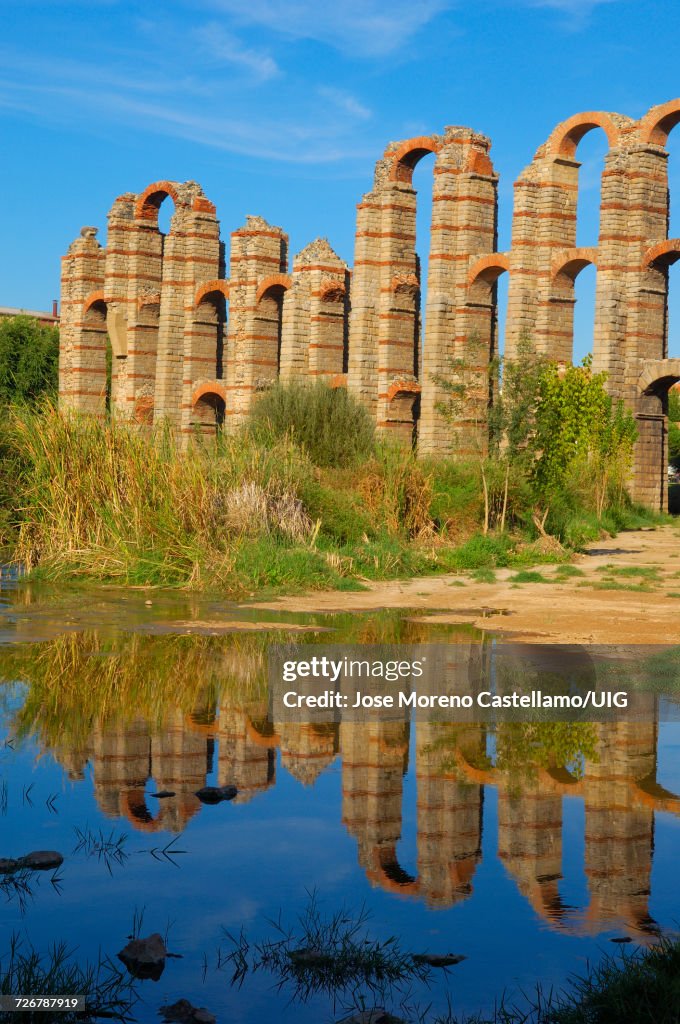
191, 346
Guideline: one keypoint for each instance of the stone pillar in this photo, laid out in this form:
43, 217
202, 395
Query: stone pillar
82, 335
530, 844
373, 764
385, 318
244, 760
619, 836
463, 229
141, 243
314, 331
449, 814
191, 254
259, 254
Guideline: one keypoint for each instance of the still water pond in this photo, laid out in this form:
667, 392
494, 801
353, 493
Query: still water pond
473, 840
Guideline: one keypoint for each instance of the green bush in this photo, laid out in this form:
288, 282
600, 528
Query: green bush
333, 427
342, 517
29, 359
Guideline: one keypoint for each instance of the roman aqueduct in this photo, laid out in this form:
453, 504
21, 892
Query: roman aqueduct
194, 346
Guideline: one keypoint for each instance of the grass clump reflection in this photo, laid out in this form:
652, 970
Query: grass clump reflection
330, 954
108, 993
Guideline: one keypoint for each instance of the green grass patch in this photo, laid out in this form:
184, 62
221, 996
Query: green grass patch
529, 576
484, 576
568, 571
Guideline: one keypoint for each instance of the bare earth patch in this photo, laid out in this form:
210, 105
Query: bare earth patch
574, 609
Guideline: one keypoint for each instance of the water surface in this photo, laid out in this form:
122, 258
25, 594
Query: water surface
484, 841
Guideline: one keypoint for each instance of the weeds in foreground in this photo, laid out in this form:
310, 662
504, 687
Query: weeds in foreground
328, 954
108, 992
102, 501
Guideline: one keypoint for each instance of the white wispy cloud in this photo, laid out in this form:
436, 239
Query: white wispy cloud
345, 101
575, 13
358, 28
222, 46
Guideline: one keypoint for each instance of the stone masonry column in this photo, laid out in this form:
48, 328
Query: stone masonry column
259, 252
82, 341
463, 228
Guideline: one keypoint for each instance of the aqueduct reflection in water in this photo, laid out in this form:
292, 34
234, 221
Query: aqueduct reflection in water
150, 734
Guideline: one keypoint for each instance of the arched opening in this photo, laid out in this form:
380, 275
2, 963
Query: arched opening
592, 151
577, 140
152, 208
210, 330
98, 370
660, 322
268, 322
654, 485
585, 284
208, 410
573, 304
423, 182
330, 355
502, 285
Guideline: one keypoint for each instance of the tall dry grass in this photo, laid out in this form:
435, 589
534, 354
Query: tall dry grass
99, 498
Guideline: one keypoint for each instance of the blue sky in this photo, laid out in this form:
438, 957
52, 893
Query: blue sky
282, 108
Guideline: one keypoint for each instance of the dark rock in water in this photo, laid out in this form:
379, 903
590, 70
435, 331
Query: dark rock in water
41, 860
216, 794
622, 940
184, 1013
309, 957
438, 960
145, 958
376, 1016
163, 794
7, 865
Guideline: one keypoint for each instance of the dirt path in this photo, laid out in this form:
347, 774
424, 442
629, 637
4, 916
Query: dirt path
627, 591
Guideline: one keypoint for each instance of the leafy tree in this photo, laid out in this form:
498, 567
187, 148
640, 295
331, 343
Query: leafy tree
554, 436
580, 433
29, 357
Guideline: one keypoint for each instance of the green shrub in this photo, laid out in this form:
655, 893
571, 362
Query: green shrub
332, 426
29, 357
341, 513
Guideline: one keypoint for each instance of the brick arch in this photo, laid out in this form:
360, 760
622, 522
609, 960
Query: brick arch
659, 122
407, 283
273, 281
663, 254
149, 299
408, 154
149, 201
332, 291
570, 262
403, 388
208, 288
489, 268
93, 298
566, 137
209, 388
658, 376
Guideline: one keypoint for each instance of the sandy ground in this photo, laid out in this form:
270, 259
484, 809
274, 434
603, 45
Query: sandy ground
572, 610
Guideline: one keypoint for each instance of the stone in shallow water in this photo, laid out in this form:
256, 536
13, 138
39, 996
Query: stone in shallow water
184, 1013
216, 794
438, 959
163, 794
41, 860
145, 958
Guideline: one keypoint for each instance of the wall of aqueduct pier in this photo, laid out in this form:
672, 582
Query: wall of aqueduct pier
193, 345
